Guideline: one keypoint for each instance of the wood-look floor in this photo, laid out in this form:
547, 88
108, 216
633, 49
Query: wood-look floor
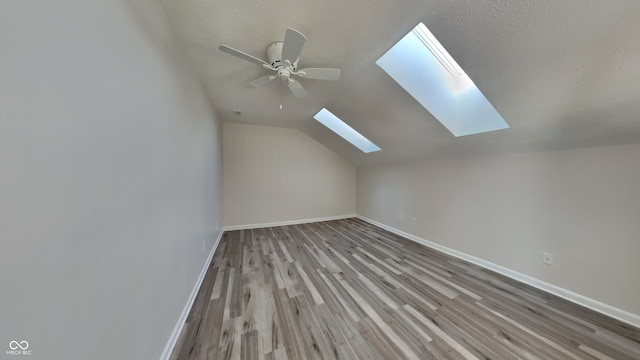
348, 290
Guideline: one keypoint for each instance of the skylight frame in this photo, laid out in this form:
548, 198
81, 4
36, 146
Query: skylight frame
424, 68
342, 129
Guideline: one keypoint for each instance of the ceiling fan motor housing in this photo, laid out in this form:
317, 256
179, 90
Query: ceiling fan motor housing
274, 55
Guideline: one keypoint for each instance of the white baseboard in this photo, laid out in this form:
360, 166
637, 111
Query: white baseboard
576, 298
288, 222
168, 349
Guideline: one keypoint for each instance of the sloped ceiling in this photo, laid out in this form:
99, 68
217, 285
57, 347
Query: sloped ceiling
563, 73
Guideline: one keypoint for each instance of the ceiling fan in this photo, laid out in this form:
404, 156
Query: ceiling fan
283, 58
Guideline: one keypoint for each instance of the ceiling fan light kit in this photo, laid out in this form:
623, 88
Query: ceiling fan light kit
283, 57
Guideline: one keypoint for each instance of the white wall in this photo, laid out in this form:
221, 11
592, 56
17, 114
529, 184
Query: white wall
277, 175
110, 161
581, 205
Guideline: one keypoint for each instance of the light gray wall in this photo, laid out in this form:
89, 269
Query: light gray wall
110, 178
581, 205
275, 175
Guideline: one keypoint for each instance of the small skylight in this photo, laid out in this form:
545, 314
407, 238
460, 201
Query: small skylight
326, 118
424, 68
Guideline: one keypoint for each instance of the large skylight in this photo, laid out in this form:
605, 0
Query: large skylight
424, 68
339, 127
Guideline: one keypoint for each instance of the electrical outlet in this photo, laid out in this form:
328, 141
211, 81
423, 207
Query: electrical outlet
547, 258
400, 217
203, 245
413, 221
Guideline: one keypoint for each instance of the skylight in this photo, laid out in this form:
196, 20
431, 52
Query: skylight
424, 68
326, 118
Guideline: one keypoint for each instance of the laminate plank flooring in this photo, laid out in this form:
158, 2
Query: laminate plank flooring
346, 289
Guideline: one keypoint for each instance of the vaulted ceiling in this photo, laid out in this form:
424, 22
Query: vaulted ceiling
563, 73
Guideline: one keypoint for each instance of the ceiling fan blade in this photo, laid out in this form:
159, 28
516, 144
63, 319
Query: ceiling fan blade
241, 55
296, 88
261, 81
320, 73
293, 43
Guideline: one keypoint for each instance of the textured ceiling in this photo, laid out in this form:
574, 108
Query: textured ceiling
563, 74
